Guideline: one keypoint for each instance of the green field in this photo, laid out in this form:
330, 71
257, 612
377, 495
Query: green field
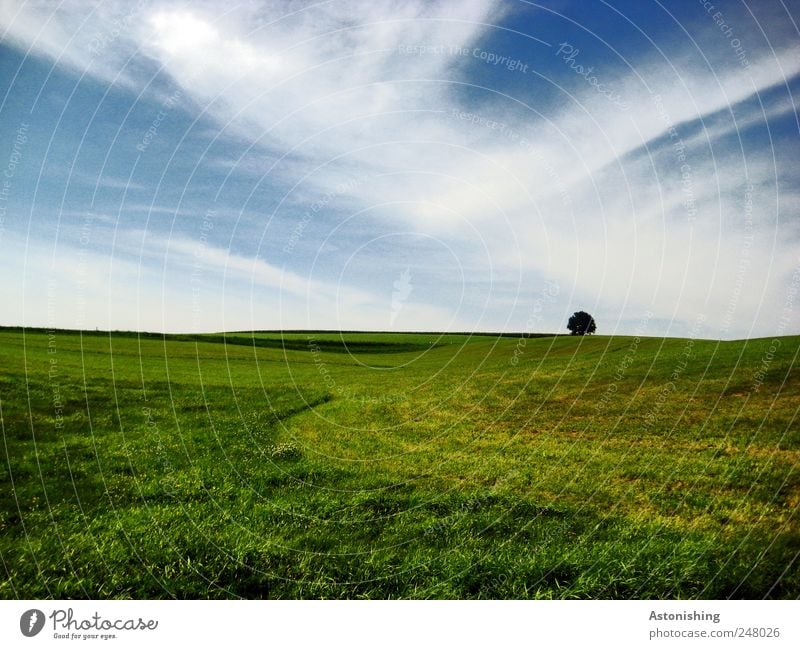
390, 465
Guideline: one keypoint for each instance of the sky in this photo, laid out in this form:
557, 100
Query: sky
411, 166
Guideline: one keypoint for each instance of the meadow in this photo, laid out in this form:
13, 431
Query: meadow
327, 465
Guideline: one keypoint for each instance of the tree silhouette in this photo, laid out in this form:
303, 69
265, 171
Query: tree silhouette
581, 323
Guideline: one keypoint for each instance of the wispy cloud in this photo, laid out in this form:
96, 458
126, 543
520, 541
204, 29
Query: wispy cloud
656, 204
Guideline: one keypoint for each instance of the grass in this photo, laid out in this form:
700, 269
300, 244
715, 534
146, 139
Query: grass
397, 465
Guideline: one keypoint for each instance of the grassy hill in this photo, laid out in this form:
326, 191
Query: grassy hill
397, 465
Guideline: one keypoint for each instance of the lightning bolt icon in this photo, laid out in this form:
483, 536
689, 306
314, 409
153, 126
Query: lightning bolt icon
32, 621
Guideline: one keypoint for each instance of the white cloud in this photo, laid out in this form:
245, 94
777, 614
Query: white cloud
590, 195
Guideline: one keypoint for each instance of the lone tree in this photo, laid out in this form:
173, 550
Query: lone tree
581, 323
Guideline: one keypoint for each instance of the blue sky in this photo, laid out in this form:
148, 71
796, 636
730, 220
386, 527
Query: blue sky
415, 166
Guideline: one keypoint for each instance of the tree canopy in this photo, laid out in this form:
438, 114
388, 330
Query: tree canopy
581, 323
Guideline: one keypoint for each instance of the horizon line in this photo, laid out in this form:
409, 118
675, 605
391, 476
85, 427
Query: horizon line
498, 334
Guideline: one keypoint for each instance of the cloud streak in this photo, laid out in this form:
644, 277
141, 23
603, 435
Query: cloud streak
668, 201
